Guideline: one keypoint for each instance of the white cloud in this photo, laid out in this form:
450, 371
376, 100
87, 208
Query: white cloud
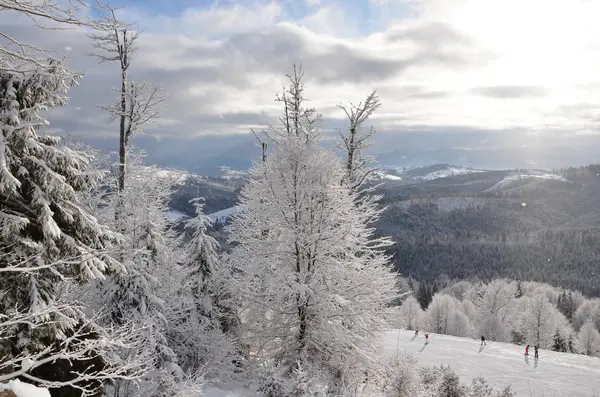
475, 63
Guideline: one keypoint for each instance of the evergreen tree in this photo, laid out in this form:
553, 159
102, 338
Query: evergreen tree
46, 234
424, 295
519, 292
450, 385
201, 321
559, 344
201, 260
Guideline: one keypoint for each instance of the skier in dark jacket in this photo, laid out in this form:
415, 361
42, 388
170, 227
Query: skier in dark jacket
483, 340
535, 348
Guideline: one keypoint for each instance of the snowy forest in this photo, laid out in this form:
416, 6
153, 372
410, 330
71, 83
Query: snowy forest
103, 295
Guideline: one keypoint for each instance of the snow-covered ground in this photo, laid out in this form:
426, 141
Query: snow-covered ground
507, 181
379, 175
174, 215
501, 364
446, 172
230, 173
223, 215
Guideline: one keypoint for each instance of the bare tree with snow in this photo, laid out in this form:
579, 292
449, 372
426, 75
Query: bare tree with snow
138, 103
355, 142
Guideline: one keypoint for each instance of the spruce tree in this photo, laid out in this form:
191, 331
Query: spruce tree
559, 344
424, 295
46, 234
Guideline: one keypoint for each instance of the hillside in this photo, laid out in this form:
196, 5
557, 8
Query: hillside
462, 223
553, 375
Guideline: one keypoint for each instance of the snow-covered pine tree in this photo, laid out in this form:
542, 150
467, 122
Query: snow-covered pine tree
45, 233
201, 260
559, 344
313, 290
202, 330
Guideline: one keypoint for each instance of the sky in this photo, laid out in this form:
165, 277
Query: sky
482, 74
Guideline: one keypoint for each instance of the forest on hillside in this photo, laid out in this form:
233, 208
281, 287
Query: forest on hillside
543, 230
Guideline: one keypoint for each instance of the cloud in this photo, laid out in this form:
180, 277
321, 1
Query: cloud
476, 65
510, 92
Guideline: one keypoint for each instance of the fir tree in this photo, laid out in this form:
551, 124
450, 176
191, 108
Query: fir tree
519, 292
424, 296
46, 235
559, 344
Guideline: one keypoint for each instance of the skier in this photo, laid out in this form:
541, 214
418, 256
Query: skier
527, 350
483, 341
535, 348
426, 338
416, 332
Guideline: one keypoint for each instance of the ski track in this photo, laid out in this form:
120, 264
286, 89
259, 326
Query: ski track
501, 364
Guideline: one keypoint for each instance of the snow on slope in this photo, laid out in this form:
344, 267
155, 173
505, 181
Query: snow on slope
507, 181
501, 364
382, 175
446, 172
223, 215
175, 215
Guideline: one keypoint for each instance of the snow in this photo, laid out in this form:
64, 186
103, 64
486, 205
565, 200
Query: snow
175, 215
446, 172
22, 389
507, 181
223, 215
501, 364
384, 175
230, 173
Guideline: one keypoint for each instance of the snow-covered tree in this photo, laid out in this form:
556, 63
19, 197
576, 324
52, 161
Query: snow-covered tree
201, 327
402, 379
411, 314
588, 310
541, 320
444, 317
588, 339
46, 234
314, 288
201, 260
495, 305
147, 253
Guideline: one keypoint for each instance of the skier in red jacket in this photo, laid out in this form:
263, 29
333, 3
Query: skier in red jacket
426, 338
527, 350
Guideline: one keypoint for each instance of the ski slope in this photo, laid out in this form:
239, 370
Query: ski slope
501, 364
